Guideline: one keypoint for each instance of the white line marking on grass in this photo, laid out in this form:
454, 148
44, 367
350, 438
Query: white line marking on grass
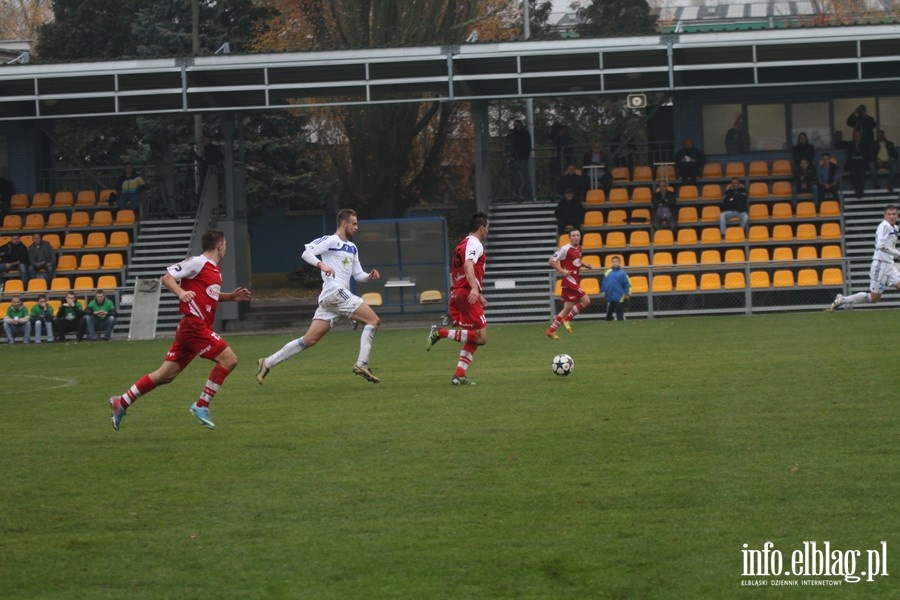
61, 382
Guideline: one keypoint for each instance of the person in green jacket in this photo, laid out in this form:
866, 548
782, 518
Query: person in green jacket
69, 319
41, 319
100, 314
17, 321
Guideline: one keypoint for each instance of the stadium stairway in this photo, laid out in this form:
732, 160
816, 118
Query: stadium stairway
158, 244
522, 236
861, 217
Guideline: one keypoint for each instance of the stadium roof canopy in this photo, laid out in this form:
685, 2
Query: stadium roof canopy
659, 63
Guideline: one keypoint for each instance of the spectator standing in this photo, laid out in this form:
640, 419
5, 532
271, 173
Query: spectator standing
41, 258
595, 162
806, 181
42, 319
859, 157
573, 179
803, 149
520, 148
17, 321
860, 120
734, 206
736, 140
129, 188
100, 314
69, 319
616, 289
569, 213
689, 162
14, 257
663, 206
884, 156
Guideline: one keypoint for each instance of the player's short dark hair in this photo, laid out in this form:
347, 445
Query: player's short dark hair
476, 221
211, 239
344, 215
889, 207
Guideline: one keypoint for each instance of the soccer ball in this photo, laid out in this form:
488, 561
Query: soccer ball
563, 365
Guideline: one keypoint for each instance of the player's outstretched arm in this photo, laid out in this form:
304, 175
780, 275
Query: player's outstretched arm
240, 294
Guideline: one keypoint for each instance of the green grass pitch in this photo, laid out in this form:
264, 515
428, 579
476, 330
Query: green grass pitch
674, 443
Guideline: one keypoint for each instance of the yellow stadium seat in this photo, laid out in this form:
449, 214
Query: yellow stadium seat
60, 284
53, 240
711, 235
688, 193
63, 199
593, 218
591, 261
687, 214
782, 254
735, 235
18, 202
615, 239
781, 233
782, 210
105, 195
638, 260
832, 276
662, 259
642, 173
686, 237
712, 171
758, 233
112, 260
735, 169
641, 195
13, 286
95, 239
41, 200
86, 198
12, 223
781, 189
618, 196
36, 285
34, 221
80, 219
758, 168
807, 277
120, 239
783, 278
758, 189
759, 255
710, 214
710, 257
831, 253
57, 220
83, 282
734, 255
66, 262
640, 215
639, 239
107, 282
710, 282
638, 284
620, 174
662, 284
807, 253
758, 212
591, 240
557, 289
102, 218
89, 262
806, 231
73, 241
595, 197
735, 281
663, 237
125, 217
686, 257
591, 286
806, 210
782, 168
830, 208
760, 279
830, 231
712, 192
686, 282
616, 217
374, 298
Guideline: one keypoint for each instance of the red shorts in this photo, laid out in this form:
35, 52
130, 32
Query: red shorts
571, 294
467, 316
194, 338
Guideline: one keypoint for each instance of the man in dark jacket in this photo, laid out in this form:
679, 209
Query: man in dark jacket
689, 162
663, 207
569, 213
14, 256
884, 157
734, 206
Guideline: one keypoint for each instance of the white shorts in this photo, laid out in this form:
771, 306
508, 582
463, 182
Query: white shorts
883, 275
341, 303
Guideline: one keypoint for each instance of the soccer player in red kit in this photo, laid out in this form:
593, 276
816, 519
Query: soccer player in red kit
199, 293
466, 304
567, 262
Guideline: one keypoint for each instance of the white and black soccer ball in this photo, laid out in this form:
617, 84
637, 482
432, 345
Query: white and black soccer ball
563, 365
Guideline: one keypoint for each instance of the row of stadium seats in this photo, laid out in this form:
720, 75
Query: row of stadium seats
710, 192
78, 241
38, 285
592, 240
61, 220
732, 280
717, 258
711, 170
43, 200
710, 214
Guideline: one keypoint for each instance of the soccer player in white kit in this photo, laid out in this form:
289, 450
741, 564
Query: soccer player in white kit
338, 259
884, 273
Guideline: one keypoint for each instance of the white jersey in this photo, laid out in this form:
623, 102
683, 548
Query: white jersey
341, 256
885, 242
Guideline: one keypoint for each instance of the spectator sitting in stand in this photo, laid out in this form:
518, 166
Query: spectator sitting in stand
806, 181
42, 319
69, 319
573, 179
569, 213
803, 149
689, 162
884, 157
734, 206
41, 258
14, 257
828, 175
663, 206
100, 314
17, 321
595, 163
